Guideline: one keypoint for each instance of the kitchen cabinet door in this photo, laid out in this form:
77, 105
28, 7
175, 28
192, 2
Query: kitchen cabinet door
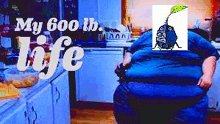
60, 90
214, 91
87, 9
109, 11
40, 109
103, 11
16, 115
96, 80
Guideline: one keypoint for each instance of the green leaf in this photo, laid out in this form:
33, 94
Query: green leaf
177, 8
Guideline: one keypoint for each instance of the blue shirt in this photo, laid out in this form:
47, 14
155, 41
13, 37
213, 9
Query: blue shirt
155, 66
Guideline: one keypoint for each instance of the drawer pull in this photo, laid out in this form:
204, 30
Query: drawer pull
25, 114
58, 94
29, 120
35, 115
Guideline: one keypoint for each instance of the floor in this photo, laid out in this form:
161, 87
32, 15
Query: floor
92, 116
102, 113
213, 118
92, 113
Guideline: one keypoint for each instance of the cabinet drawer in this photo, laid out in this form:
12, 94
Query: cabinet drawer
40, 109
17, 114
60, 91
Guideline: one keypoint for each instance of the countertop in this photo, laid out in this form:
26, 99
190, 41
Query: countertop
101, 44
216, 45
27, 92
117, 44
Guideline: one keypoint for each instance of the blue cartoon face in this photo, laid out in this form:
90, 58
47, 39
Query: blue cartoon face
166, 37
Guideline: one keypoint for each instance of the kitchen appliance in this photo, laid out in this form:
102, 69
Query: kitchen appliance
96, 80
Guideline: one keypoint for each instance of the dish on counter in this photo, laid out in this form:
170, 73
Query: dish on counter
8, 91
118, 36
21, 79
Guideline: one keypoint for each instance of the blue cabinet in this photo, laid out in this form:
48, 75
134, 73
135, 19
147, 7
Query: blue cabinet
60, 90
47, 102
40, 109
103, 11
16, 115
109, 11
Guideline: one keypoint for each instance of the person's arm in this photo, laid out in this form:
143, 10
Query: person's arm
138, 44
127, 59
208, 54
208, 68
120, 70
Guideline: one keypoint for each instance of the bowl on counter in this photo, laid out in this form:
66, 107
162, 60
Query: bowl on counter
21, 79
118, 36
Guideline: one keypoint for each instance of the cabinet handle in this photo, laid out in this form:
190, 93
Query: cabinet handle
35, 114
25, 114
58, 94
29, 120
26, 117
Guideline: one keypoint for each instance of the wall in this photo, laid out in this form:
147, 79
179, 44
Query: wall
141, 10
3, 3
104, 11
